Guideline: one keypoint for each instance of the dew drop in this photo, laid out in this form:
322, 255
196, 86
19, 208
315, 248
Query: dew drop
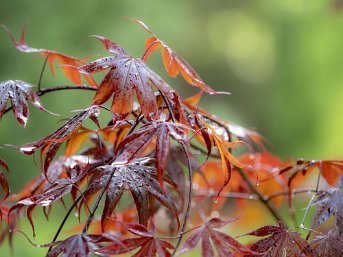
216, 200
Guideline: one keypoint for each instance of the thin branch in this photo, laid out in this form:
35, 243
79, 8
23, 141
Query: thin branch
42, 71
66, 87
260, 196
249, 196
234, 195
312, 199
148, 48
96, 205
190, 178
92, 167
64, 221
294, 192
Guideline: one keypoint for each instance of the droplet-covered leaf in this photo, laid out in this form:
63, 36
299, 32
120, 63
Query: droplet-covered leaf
139, 179
127, 74
329, 202
148, 244
280, 242
50, 144
328, 245
19, 93
209, 236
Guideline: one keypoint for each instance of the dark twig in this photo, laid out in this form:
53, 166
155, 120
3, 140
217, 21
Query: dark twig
260, 196
249, 196
42, 71
64, 221
190, 178
96, 205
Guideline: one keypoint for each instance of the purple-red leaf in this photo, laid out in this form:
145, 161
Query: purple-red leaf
328, 245
52, 143
281, 242
142, 182
127, 74
225, 245
149, 244
3, 180
57, 190
79, 245
139, 140
19, 93
329, 202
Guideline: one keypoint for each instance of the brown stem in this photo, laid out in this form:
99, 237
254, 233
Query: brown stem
300, 191
248, 196
42, 71
148, 48
92, 167
64, 221
260, 196
96, 205
190, 178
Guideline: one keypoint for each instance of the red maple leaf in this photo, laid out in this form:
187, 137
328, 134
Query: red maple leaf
226, 245
19, 93
127, 74
280, 242
3, 180
51, 56
173, 63
51, 143
328, 245
149, 244
160, 129
139, 179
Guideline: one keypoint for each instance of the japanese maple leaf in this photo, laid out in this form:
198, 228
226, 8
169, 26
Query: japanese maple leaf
216, 137
329, 169
51, 56
55, 192
173, 63
149, 244
142, 182
280, 242
329, 202
19, 93
225, 245
58, 169
192, 113
127, 74
79, 245
8, 223
140, 139
50, 144
3, 180
328, 245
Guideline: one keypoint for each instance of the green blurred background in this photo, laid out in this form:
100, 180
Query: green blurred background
281, 60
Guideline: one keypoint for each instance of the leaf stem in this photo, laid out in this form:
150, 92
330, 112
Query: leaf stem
190, 178
42, 71
96, 205
64, 221
259, 195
